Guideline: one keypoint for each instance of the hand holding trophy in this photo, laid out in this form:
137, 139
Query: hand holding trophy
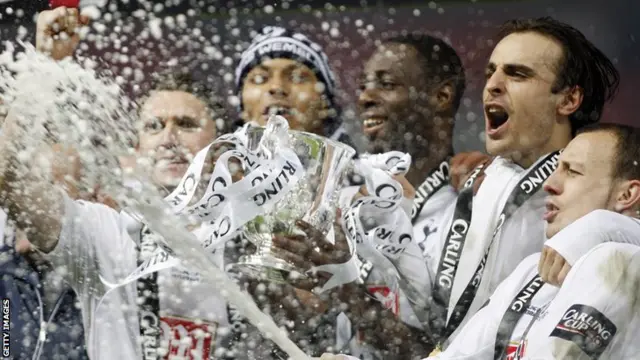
310, 250
303, 221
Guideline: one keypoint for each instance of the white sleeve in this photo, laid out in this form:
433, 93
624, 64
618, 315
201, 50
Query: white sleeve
476, 340
595, 313
597, 227
93, 242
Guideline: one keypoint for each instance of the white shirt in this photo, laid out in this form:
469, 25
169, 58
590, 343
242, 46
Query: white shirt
96, 242
603, 286
521, 235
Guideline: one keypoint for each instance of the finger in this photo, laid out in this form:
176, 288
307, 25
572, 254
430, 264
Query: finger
47, 18
543, 256
408, 191
543, 266
563, 273
458, 167
303, 225
334, 256
474, 159
291, 244
71, 21
311, 282
65, 21
296, 260
342, 243
316, 237
319, 258
307, 284
454, 180
84, 20
311, 300
558, 263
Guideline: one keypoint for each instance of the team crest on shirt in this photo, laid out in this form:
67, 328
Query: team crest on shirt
188, 339
390, 300
516, 350
586, 327
430, 227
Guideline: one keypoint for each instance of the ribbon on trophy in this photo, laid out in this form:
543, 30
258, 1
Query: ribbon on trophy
225, 205
379, 224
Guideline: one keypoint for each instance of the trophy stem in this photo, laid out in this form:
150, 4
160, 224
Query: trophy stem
264, 264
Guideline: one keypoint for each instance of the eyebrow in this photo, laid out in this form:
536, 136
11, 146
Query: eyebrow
186, 118
578, 165
176, 118
512, 68
378, 74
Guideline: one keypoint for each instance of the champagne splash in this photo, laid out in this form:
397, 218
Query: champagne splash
61, 102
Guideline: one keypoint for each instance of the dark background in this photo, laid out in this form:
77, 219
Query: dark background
210, 37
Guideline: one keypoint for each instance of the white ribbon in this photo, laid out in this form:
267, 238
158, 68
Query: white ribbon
379, 224
226, 206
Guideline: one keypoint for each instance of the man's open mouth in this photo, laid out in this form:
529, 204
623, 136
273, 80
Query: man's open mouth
277, 110
497, 117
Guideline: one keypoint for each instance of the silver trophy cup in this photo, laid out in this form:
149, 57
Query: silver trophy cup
313, 199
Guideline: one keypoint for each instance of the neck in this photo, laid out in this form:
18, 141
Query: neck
632, 213
560, 137
422, 163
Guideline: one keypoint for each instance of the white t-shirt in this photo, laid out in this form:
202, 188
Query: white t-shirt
599, 297
97, 243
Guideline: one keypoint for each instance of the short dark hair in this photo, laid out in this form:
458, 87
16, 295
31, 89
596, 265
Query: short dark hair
582, 65
441, 61
183, 80
626, 165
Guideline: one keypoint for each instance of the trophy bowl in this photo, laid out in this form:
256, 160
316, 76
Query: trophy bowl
314, 199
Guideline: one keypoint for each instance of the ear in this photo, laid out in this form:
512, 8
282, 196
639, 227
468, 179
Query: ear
570, 101
444, 97
627, 198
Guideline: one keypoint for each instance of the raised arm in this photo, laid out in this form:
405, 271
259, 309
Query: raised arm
26, 182
27, 190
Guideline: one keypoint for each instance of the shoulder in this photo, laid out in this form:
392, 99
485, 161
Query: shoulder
603, 223
606, 223
606, 217
612, 254
90, 212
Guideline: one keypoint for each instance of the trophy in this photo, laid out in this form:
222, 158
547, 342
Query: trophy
314, 199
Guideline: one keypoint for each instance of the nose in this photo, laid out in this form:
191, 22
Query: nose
278, 86
495, 83
368, 97
553, 185
169, 135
